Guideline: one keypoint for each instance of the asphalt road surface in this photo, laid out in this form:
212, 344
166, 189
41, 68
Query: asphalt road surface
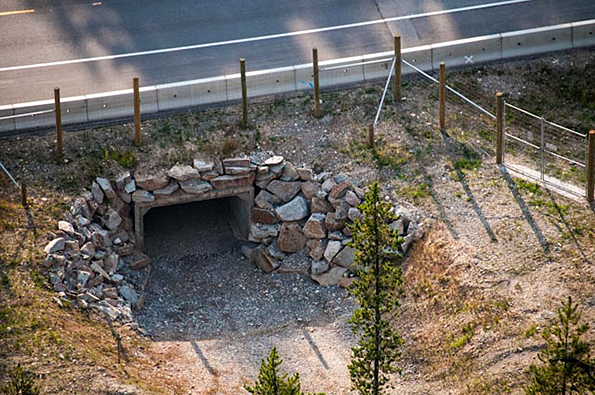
90, 47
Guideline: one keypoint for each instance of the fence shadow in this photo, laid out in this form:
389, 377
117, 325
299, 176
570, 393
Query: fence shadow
524, 209
314, 348
203, 359
463, 180
567, 225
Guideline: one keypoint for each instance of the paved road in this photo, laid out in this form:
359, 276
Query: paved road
34, 35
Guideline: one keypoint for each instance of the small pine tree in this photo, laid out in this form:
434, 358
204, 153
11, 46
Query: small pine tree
270, 382
567, 368
377, 293
20, 382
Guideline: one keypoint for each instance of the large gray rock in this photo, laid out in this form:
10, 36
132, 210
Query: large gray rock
80, 207
352, 199
130, 187
236, 162
284, 190
315, 248
236, 170
97, 192
339, 190
88, 250
315, 227
55, 245
354, 214
291, 238
167, 190
110, 263
293, 211
289, 173
398, 226
319, 267
106, 186
331, 277
266, 200
140, 196
274, 160
66, 227
304, 173
183, 173
122, 179
261, 231
345, 258
328, 185
203, 166
112, 219
332, 249
195, 187
150, 182
128, 293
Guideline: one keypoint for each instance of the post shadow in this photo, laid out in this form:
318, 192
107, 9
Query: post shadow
524, 209
203, 359
463, 180
314, 348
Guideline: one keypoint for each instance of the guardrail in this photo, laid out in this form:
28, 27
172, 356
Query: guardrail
283, 80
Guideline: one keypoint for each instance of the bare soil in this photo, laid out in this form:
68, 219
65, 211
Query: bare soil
500, 255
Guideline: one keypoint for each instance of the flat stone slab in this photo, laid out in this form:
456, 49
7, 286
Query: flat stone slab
228, 181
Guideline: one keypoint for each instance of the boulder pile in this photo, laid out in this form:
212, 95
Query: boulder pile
92, 257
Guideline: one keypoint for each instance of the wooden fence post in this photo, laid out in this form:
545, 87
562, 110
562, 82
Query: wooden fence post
397, 78
591, 168
137, 136
244, 93
371, 136
316, 83
58, 112
499, 128
442, 96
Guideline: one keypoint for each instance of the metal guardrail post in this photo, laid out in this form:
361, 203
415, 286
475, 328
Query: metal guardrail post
442, 96
244, 93
58, 112
397, 87
371, 136
316, 83
542, 149
591, 168
499, 128
136, 86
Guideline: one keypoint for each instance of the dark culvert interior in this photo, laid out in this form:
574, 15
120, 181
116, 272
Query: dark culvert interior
201, 286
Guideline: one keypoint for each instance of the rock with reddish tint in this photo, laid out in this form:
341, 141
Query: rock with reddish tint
329, 278
125, 250
293, 211
310, 189
111, 293
340, 189
263, 260
274, 251
106, 186
305, 174
266, 200
126, 198
346, 282
183, 173
195, 186
55, 245
263, 180
140, 196
150, 182
167, 190
289, 173
284, 190
97, 192
209, 175
120, 206
291, 238
263, 216
352, 199
320, 205
315, 227
315, 248
334, 223
227, 181
345, 258
138, 261
332, 249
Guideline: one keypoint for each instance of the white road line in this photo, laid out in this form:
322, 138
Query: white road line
268, 37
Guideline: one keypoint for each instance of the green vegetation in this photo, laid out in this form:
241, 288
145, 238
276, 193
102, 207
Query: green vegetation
377, 293
567, 367
468, 332
20, 382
